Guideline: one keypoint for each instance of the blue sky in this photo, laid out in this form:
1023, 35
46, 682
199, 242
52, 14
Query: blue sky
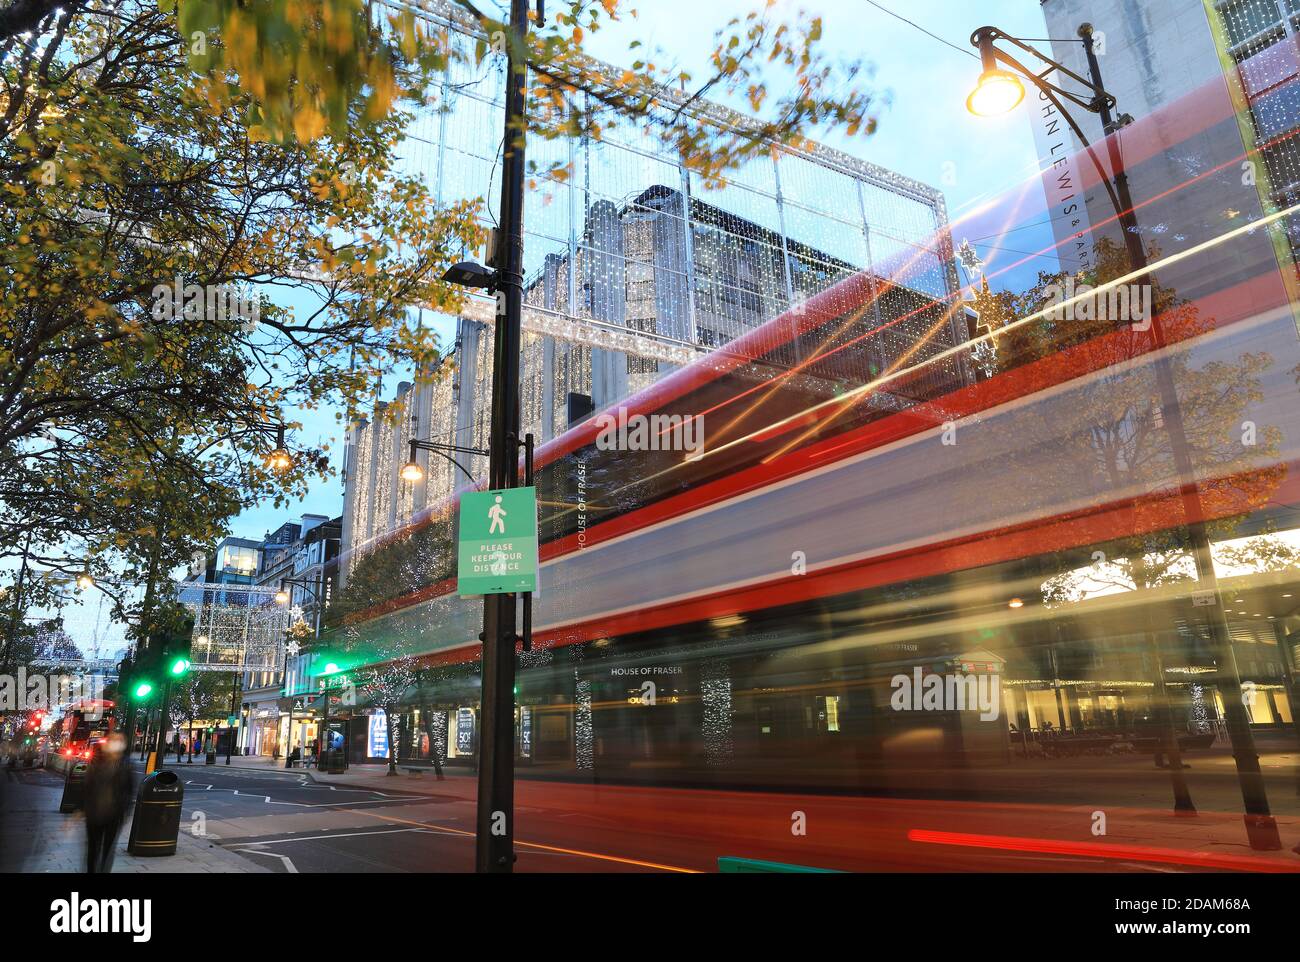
924, 130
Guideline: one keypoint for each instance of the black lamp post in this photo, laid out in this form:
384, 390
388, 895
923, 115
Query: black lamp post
494, 851
996, 93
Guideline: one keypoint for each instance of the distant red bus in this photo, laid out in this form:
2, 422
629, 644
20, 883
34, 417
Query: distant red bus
86, 723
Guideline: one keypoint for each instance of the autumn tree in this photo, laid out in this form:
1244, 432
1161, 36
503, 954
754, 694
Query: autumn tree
125, 185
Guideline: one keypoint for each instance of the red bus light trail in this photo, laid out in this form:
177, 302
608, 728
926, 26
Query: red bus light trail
1105, 850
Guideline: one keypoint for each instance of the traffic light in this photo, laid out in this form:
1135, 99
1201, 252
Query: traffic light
176, 652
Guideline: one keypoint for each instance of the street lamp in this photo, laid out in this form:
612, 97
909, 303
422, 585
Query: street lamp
85, 581
1261, 827
470, 274
411, 470
279, 459
997, 91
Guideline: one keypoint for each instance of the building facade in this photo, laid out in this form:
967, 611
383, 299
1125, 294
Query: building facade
689, 284
1207, 94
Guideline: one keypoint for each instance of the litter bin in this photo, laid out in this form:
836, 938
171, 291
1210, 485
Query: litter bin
157, 819
332, 762
210, 757
74, 788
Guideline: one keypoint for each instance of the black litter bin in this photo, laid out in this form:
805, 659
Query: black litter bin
157, 819
332, 762
74, 788
211, 757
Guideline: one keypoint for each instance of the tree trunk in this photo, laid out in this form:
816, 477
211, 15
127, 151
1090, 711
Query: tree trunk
433, 748
392, 742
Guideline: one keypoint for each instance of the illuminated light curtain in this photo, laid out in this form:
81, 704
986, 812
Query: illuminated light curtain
715, 696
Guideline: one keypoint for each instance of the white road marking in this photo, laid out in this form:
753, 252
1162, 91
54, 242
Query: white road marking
288, 863
316, 838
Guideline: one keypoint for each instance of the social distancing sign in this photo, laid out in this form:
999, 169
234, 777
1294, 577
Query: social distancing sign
497, 551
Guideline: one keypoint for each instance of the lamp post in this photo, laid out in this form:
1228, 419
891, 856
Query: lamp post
995, 93
494, 824
234, 705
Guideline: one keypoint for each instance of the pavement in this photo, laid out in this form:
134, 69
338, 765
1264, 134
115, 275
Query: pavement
36, 837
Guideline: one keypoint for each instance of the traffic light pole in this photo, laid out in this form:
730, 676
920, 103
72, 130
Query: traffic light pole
159, 753
495, 830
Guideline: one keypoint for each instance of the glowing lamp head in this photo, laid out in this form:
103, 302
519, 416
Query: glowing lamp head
412, 472
279, 460
331, 669
84, 581
282, 597
997, 92
1015, 603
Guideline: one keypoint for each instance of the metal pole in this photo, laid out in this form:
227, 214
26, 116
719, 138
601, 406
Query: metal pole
160, 748
1261, 827
234, 706
494, 850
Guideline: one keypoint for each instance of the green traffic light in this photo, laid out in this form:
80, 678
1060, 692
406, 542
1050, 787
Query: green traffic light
332, 669
142, 690
180, 666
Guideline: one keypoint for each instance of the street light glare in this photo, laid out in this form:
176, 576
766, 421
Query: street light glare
279, 460
85, 582
997, 92
282, 597
411, 472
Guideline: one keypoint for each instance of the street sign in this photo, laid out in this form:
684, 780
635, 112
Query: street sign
498, 542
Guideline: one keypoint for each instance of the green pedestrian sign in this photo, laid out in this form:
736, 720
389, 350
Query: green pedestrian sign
498, 542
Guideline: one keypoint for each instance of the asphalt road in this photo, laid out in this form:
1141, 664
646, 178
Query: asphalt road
288, 823
285, 822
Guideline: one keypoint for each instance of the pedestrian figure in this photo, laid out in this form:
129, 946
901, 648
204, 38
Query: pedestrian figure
109, 786
497, 514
